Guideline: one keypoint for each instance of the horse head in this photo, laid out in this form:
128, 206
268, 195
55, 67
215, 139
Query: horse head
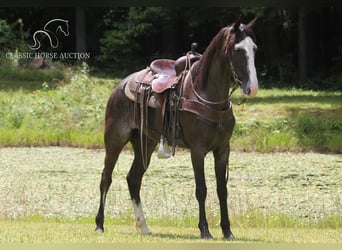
63, 27
240, 48
55, 25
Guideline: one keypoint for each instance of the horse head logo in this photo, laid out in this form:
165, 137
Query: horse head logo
50, 30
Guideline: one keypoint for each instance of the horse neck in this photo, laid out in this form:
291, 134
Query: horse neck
213, 77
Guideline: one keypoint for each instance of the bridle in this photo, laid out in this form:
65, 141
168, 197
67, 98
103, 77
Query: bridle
237, 82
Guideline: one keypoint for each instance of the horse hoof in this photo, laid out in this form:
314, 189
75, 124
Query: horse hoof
206, 236
145, 231
229, 236
99, 229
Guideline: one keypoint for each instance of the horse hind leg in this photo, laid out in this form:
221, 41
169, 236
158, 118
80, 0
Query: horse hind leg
114, 142
106, 181
134, 179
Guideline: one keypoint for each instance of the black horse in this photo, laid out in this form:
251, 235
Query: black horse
205, 122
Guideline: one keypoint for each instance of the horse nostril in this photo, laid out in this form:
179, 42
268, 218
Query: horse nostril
247, 91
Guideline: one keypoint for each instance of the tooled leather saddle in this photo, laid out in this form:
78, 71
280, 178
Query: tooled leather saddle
156, 87
161, 76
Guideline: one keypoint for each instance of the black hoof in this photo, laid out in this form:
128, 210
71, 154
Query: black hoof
99, 229
206, 236
229, 236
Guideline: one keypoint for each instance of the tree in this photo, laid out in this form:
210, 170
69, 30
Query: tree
80, 30
302, 43
131, 36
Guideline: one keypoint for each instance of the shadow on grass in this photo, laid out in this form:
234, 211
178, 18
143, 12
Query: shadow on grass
325, 97
192, 237
174, 236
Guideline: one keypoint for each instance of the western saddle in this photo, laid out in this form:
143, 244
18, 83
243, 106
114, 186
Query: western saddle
156, 87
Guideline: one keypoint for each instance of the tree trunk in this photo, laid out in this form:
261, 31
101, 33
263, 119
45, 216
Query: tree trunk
81, 43
302, 44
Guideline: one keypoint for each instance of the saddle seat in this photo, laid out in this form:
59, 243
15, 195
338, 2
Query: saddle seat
163, 66
164, 75
161, 75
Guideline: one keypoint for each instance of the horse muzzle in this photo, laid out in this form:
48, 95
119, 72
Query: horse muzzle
250, 89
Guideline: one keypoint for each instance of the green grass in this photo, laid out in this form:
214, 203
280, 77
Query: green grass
71, 113
42, 230
51, 194
290, 120
13, 78
47, 109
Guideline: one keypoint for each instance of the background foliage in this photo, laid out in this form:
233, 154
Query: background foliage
299, 47
64, 105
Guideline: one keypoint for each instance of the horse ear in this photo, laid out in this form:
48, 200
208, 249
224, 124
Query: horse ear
237, 23
251, 24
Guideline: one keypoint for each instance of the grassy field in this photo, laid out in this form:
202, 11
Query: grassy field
45, 110
82, 232
290, 120
285, 175
51, 195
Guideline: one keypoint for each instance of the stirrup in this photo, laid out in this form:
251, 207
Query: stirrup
164, 151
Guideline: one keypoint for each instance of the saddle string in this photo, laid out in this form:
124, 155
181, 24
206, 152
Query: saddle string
144, 98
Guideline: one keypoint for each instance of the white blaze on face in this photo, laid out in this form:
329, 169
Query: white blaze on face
140, 221
249, 47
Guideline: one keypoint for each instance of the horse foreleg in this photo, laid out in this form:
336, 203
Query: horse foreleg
221, 172
134, 179
201, 193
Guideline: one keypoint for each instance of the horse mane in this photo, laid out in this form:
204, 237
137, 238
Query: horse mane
224, 38
208, 53
218, 40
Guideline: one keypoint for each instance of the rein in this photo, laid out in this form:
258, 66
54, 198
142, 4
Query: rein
205, 101
236, 80
201, 107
